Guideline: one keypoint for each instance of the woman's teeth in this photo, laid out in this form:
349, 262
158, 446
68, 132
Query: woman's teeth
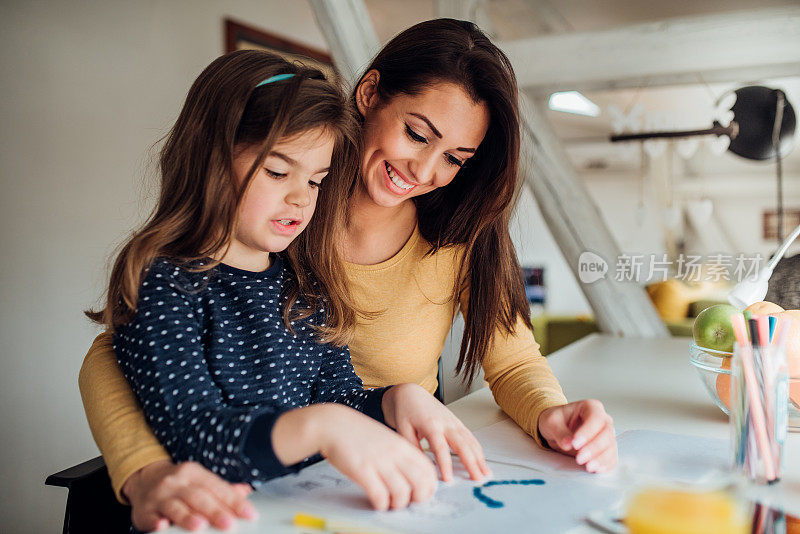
396, 180
286, 222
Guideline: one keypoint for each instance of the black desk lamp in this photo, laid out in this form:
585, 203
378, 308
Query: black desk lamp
762, 128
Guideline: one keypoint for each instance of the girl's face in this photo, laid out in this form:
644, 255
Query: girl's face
414, 144
281, 197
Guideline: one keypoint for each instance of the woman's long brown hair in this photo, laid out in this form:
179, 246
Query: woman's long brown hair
195, 216
474, 210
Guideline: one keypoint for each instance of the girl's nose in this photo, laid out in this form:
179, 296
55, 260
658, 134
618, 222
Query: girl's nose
299, 196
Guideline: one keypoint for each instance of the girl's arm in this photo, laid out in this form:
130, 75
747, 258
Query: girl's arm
407, 408
416, 414
161, 353
390, 470
338, 382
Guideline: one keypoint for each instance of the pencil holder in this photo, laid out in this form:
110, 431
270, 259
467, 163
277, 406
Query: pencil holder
758, 415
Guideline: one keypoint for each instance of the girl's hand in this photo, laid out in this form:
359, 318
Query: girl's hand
416, 414
390, 471
584, 430
187, 495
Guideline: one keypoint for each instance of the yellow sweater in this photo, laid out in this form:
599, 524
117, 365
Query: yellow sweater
402, 344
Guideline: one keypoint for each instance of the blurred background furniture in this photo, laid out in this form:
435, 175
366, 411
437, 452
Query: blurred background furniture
677, 303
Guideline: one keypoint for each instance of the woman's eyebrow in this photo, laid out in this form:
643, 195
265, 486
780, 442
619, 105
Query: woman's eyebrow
429, 123
293, 162
436, 132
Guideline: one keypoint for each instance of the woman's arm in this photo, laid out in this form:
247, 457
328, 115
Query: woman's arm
526, 389
115, 418
142, 472
520, 378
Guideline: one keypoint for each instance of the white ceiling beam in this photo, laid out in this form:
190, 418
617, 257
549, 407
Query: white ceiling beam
350, 34
472, 10
549, 17
732, 47
458, 9
620, 307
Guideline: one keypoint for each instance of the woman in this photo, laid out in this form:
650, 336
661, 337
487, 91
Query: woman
427, 233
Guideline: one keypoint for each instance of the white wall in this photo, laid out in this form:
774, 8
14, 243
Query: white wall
86, 88
739, 200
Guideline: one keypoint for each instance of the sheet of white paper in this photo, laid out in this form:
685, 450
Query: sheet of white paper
673, 457
552, 504
507, 442
642, 453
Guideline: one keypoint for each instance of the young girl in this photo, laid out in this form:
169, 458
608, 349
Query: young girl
228, 307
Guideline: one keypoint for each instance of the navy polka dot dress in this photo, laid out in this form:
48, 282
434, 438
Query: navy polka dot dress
214, 366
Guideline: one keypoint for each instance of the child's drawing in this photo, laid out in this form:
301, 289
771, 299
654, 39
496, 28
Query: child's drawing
514, 498
477, 491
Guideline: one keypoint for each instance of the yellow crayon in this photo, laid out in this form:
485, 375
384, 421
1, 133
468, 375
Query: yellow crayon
320, 523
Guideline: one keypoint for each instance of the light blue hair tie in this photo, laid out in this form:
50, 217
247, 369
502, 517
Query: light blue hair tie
276, 78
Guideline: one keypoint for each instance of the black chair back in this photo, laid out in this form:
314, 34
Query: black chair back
91, 504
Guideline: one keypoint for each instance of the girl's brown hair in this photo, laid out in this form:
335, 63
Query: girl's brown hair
475, 208
226, 111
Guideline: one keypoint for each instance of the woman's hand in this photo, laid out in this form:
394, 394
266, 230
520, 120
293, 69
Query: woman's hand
187, 495
584, 430
416, 414
391, 471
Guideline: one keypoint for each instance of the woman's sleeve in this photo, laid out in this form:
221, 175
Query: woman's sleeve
160, 351
519, 376
115, 418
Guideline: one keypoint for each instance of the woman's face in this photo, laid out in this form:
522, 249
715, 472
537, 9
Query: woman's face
414, 144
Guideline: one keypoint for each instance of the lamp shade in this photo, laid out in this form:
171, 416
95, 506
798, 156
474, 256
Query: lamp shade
754, 112
751, 130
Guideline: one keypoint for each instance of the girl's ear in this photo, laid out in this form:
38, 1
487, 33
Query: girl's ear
367, 92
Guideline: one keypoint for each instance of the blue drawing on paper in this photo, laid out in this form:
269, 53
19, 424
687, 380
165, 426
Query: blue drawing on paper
477, 491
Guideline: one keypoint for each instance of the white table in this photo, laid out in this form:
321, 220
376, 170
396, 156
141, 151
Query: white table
643, 383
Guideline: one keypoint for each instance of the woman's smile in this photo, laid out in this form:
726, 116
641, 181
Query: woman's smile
417, 143
396, 182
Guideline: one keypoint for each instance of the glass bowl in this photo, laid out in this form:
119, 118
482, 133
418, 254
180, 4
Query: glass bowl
714, 369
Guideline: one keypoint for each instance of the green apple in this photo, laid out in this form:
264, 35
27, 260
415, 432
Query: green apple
713, 328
